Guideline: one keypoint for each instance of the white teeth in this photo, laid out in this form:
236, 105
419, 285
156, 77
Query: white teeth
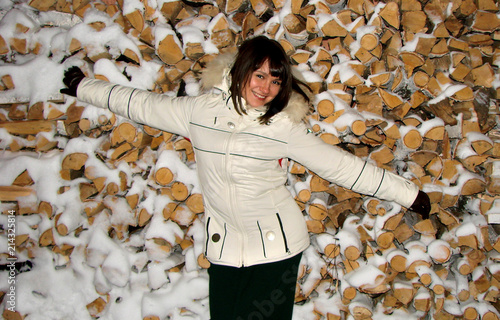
259, 96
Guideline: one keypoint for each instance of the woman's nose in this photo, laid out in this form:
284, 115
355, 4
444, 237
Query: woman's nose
266, 87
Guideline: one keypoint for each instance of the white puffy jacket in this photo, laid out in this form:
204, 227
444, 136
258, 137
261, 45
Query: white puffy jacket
250, 216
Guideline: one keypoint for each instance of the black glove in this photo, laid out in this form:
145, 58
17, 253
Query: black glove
72, 78
422, 205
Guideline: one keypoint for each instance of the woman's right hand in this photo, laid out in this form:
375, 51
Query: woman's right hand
72, 78
422, 205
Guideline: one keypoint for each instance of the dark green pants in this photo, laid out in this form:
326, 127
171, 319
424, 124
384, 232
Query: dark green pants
265, 291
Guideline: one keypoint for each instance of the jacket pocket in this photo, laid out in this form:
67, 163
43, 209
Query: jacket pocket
216, 238
285, 241
272, 236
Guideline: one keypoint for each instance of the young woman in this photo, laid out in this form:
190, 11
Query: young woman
250, 119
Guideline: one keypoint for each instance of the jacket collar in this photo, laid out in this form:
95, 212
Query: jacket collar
216, 76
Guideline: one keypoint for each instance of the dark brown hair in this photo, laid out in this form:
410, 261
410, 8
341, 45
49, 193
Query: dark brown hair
252, 54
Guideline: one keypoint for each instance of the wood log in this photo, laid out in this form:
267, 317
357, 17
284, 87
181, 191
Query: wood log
35, 111
390, 14
163, 176
361, 308
385, 239
180, 191
47, 238
333, 29
317, 210
203, 262
412, 138
470, 312
74, 161
382, 155
440, 251
458, 50
12, 193
481, 279
260, 7
327, 245
430, 279
169, 51
96, 307
422, 300
403, 291
485, 21
302, 191
350, 246
195, 203
136, 19
24, 179
28, 127
348, 292
179, 214
390, 100
11, 315
93, 207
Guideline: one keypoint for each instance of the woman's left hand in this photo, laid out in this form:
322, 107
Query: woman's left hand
422, 205
72, 78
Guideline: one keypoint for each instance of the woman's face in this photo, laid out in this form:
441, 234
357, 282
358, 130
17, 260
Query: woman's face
261, 88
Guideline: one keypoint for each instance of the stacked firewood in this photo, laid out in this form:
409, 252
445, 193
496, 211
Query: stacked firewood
410, 86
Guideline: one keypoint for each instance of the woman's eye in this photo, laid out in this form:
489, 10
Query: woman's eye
277, 82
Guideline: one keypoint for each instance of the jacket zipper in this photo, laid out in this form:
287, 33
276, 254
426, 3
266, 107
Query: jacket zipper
231, 197
283, 233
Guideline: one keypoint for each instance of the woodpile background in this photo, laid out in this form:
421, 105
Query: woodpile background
409, 85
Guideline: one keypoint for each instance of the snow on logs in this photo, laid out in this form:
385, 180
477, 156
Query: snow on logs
408, 86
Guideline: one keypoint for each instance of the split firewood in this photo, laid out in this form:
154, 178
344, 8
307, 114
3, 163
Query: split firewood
74, 161
179, 213
11, 315
434, 103
169, 50
221, 34
47, 238
417, 257
96, 307
390, 14
12, 193
481, 279
328, 245
350, 246
403, 291
203, 261
302, 191
422, 300
28, 127
440, 251
430, 279
361, 307
136, 19
317, 209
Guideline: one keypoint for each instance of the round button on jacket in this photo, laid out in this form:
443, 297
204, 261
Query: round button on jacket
230, 125
270, 235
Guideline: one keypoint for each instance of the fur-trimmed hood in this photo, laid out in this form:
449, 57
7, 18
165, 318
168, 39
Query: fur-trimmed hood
216, 76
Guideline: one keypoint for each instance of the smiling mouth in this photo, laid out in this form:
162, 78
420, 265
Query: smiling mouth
260, 96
